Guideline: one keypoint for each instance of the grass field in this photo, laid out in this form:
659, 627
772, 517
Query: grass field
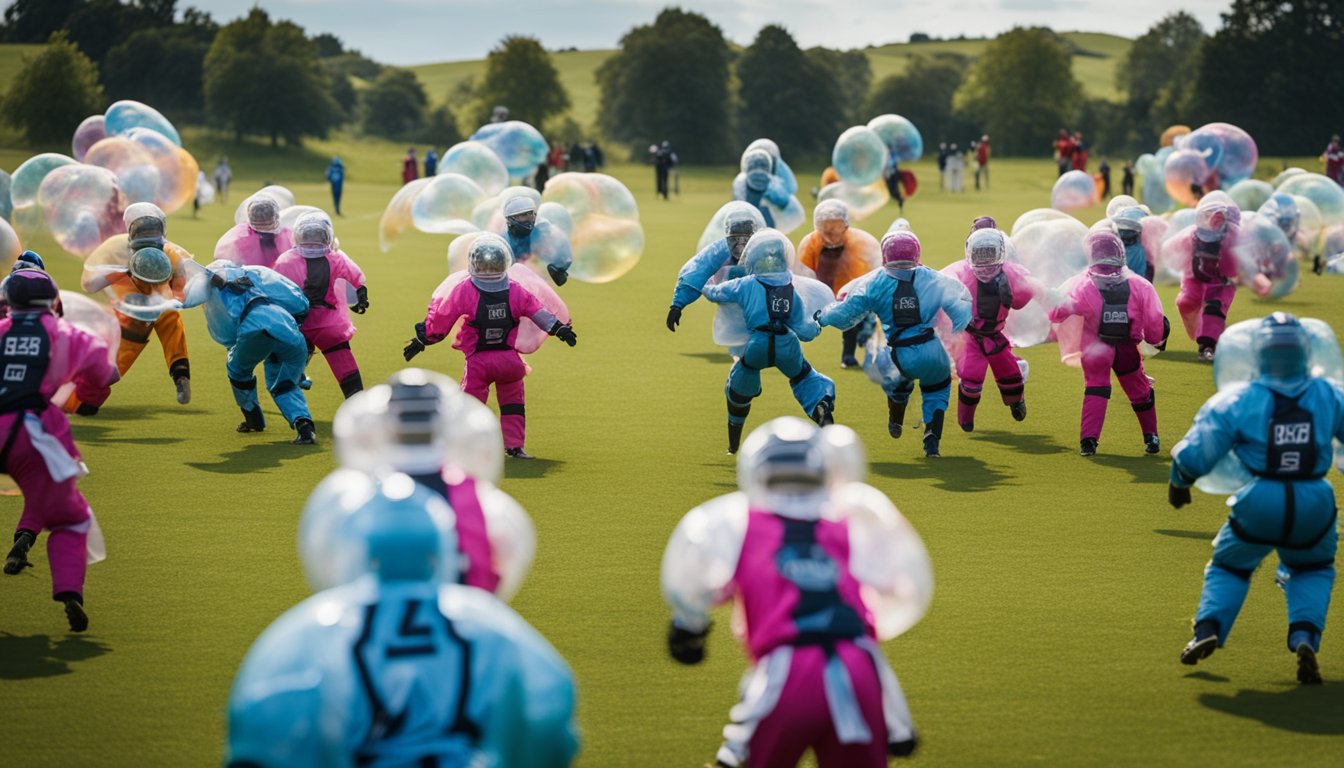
1065, 586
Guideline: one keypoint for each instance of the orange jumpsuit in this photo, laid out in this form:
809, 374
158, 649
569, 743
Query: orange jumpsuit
836, 267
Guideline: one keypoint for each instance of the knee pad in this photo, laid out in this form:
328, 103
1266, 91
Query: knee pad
1241, 573
802, 374
1214, 308
936, 386
344, 345
351, 384
283, 387
133, 337
513, 409
1102, 392
244, 384
1146, 404
1011, 385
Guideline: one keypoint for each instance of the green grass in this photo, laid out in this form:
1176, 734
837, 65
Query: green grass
1064, 586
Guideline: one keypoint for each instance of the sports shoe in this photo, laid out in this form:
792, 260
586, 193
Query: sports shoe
824, 413
734, 437
1151, 444
849, 361
895, 415
1198, 649
74, 613
518, 453
18, 556
1087, 447
307, 432
931, 446
1019, 410
1206, 352
305, 383
1308, 671
183, 390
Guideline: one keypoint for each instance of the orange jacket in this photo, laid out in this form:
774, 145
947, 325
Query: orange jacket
861, 255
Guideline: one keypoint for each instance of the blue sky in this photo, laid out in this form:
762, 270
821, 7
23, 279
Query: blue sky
424, 31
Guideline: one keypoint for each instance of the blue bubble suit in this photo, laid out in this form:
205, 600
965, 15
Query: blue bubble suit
1073, 191
861, 201
477, 162
519, 146
6, 202
781, 169
89, 132
900, 135
606, 236
444, 206
1239, 153
137, 173
859, 156
1154, 183
125, 115
27, 217
1250, 194
1265, 257
82, 206
177, 168
1326, 194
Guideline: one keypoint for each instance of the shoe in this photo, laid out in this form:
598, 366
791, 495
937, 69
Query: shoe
849, 361
1019, 410
518, 453
1206, 352
931, 446
968, 426
894, 429
734, 437
74, 613
183, 390
307, 432
1151, 444
305, 383
1198, 649
1308, 671
252, 421
1087, 447
18, 556
824, 413
895, 415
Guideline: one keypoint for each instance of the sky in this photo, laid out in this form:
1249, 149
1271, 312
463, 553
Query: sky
408, 32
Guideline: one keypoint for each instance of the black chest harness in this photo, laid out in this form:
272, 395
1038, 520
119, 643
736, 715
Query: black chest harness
494, 320
1115, 321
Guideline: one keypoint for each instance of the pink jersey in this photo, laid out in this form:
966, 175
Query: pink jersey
77, 356
988, 312
249, 248
464, 301
795, 586
320, 279
1084, 299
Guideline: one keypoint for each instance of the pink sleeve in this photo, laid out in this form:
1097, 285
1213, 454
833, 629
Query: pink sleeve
1025, 287
1153, 321
351, 271
445, 311
524, 304
287, 265
89, 367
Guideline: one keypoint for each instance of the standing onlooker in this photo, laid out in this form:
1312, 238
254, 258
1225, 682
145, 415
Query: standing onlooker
1334, 160
541, 176
589, 157
575, 156
942, 165
1063, 151
1127, 181
556, 158
410, 170
892, 177
223, 175
663, 161
1105, 171
956, 170
204, 193
599, 158
982, 161
431, 162
1079, 152
336, 175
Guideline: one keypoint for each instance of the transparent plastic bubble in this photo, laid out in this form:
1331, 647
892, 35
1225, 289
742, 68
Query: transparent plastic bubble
862, 201
782, 171
396, 217
1170, 134
81, 207
887, 557
1147, 164
1239, 154
477, 162
519, 146
93, 318
137, 174
1035, 216
177, 168
713, 231
557, 215
1320, 190
769, 250
445, 205
1266, 258
27, 217
10, 245
1073, 191
1120, 203
1203, 142
530, 336
900, 135
1184, 170
89, 132
606, 236
281, 195
1051, 250
1154, 183
1250, 194
1286, 174
1310, 224
124, 116
107, 268
859, 156
289, 216
6, 201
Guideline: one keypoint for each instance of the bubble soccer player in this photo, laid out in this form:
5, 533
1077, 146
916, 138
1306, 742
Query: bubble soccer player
906, 296
259, 241
492, 304
762, 186
996, 288
27, 260
779, 325
715, 260
839, 253
815, 596
154, 265
408, 425
319, 266
1207, 289
40, 352
1280, 425
1129, 225
1119, 309
393, 666
256, 312
522, 230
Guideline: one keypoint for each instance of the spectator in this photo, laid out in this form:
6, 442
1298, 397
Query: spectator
1104, 170
942, 165
599, 159
410, 170
541, 176
956, 170
203, 193
575, 156
893, 179
336, 175
982, 161
431, 162
1127, 181
556, 158
589, 157
1063, 151
1079, 152
1334, 160
223, 175
499, 114
664, 159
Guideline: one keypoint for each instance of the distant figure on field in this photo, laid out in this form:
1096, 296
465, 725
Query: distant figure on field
223, 174
982, 161
336, 175
431, 162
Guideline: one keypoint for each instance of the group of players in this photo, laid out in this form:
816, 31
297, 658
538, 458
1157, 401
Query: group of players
404, 657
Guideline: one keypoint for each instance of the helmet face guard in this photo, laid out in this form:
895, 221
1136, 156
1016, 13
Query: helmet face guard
263, 215
986, 250
151, 266
30, 289
489, 258
783, 462
900, 250
1282, 347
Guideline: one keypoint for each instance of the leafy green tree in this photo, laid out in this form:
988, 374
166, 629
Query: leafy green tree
1273, 69
1155, 75
440, 128
265, 78
519, 75
923, 94
670, 81
1021, 91
162, 67
394, 106
55, 90
852, 75
33, 21
786, 96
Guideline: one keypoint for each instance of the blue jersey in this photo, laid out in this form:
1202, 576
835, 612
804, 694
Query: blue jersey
697, 272
1136, 258
876, 293
400, 673
760, 299
271, 299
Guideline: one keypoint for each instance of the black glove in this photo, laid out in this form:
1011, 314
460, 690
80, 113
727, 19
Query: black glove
412, 348
564, 333
85, 409
685, 646
361, 300
673, 318
1166, 334
1177, 497
559, 275
902, 748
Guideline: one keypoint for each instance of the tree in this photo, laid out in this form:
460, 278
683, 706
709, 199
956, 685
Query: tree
1021, 90
55, 90
786, 96
519, 74
1272, 70
162, 67
923, 94
96, 26
394, 106
1154, 76
265, 78
440, 128
33, 21
670, 81
852, 75
328, 45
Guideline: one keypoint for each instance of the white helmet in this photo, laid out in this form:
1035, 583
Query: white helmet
783, 468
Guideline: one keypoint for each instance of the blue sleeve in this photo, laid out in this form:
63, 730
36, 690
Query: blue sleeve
786, 177
956, 301
1210, 437
776, 193
799, 322
696, 272
846, 314
724, 293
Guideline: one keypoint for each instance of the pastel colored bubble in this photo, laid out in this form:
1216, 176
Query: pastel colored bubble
859, 156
